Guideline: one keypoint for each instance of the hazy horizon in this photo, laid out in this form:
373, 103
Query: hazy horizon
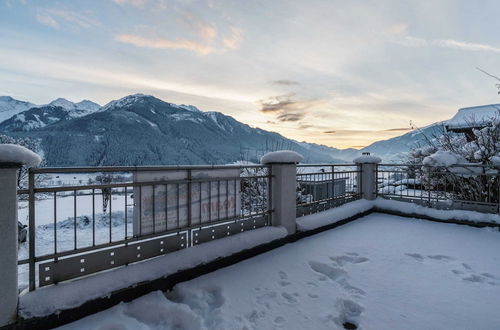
343, 74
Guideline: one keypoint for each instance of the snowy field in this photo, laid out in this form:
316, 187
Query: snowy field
379, 272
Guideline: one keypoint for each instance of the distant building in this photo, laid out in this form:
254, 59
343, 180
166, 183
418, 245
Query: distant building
467, 119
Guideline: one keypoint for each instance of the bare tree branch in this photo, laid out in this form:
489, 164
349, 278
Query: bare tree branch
488, 74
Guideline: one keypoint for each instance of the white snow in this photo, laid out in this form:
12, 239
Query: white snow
412, 208
10, 107
213, 115
367, 159
379, 272
75, 110
185, 116
313, 221
87, 105
282, 156
474, 116
71, 294
316, 220
407, 182
63, 103
13, 153
495, 160
392, 189
443, 158
124, 101
191, 108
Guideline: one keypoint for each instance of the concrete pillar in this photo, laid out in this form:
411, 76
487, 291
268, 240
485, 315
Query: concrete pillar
12, 156
284, 196
8, 243
367, 180
283, 187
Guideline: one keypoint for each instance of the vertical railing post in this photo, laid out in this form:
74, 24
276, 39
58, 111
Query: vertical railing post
283, 187
31, 230
367, 179
8, 243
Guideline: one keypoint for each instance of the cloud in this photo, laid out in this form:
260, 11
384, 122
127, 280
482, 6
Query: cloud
290, 116
398, 28
398, 129
233, 40
54, 17
277, 103
330, 132
469, 46
137, 3
199, 26
285, 108
410, 41
204, 41
163, 43
47, 20
285, 82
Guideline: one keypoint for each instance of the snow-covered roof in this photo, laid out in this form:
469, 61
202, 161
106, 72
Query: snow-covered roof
473, 117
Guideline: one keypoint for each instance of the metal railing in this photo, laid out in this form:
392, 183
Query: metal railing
462, 186
111, 216
321, 187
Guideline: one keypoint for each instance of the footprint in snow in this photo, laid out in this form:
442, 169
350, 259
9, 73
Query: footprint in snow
349, 313
337, 275
415, 256
440, 257
342, 260
289, 299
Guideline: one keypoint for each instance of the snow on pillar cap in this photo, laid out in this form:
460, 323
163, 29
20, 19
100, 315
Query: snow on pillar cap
282, 156
366, 158
16, 154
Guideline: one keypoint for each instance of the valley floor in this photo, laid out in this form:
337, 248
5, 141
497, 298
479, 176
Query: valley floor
379, 272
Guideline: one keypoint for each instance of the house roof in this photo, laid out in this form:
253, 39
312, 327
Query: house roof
473, 117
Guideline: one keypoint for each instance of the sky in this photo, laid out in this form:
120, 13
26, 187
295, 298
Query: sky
340, 73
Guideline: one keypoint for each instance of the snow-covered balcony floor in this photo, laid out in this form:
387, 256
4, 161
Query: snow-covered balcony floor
379, 272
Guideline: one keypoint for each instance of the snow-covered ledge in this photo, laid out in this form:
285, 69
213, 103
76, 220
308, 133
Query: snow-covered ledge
72, 294
283, 187
367, 178
12, 157
334, 215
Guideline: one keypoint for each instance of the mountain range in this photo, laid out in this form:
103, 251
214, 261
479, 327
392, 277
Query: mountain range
143, 130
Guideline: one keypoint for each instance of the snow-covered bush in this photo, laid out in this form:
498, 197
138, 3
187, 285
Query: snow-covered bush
440, 172
254, 191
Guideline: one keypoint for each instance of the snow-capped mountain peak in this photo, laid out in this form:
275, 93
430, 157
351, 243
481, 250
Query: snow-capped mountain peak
63, 103
10, 107
88, 105
125, 101
82, 106
74, 110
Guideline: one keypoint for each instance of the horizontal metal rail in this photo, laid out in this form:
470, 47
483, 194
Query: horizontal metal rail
135, 184
55, 170
139, 238
64, 220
